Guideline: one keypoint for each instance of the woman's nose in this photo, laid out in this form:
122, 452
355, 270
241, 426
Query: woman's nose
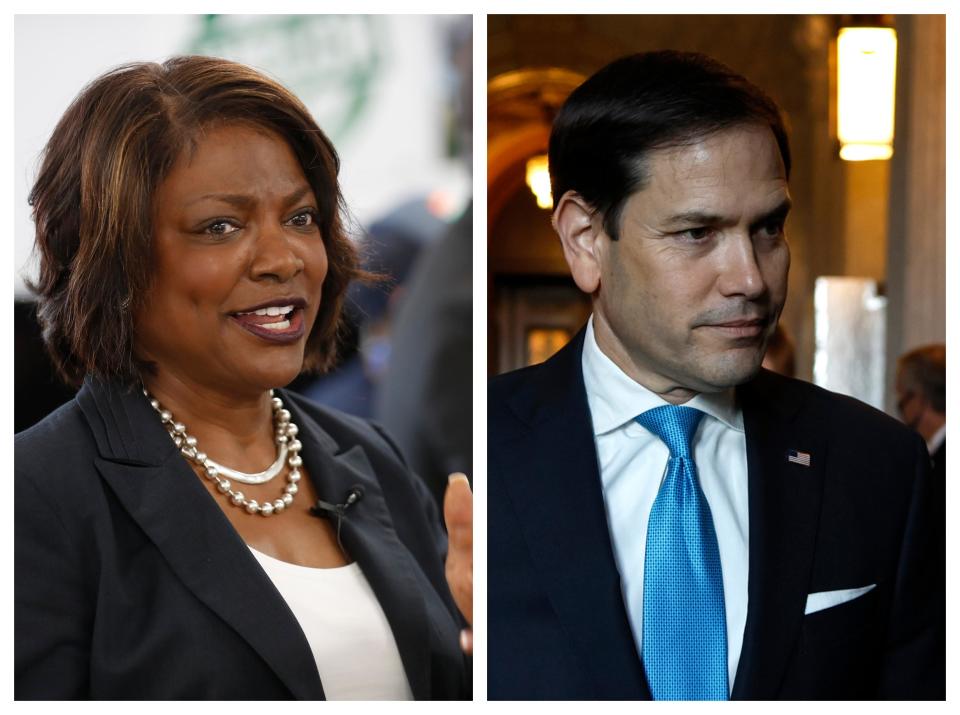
275, 256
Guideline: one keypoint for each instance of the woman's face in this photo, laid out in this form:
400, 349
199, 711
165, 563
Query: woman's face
239, 263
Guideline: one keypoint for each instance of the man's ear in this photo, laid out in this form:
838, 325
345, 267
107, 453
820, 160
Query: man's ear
580, 233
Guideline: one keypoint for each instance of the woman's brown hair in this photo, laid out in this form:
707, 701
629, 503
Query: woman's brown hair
92, 201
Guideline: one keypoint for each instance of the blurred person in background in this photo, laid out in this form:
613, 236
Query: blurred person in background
921, 388
426, 399
388, 250
185, 528
921, 392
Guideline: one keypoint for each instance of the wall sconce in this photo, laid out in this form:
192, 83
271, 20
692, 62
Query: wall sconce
538, 179
866, 83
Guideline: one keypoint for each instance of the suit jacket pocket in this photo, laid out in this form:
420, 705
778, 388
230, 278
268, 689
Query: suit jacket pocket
837, 624
840, 650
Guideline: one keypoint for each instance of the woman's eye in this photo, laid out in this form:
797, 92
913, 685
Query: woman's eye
304, 219
220, 228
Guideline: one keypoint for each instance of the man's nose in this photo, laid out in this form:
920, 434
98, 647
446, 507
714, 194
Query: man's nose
740, 273
275, 256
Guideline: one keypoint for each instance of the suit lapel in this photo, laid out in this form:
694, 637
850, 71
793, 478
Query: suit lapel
369, 537
784, 503
559, 502
163, 495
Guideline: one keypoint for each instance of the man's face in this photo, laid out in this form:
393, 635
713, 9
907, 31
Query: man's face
688, 296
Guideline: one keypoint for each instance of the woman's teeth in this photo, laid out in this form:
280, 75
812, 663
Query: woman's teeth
261, 317
282, 325
272, 310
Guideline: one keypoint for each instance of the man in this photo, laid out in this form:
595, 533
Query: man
665, 519
922, 399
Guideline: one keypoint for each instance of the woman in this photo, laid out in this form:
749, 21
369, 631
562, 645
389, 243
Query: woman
183, 528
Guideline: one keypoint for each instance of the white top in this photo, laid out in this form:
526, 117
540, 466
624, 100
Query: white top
632, 465
348, 633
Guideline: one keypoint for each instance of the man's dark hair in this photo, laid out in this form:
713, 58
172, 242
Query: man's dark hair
93, 201
640, 103
924, 371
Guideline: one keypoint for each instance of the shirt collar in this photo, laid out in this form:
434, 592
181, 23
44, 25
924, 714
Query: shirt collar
615, 399
938, 438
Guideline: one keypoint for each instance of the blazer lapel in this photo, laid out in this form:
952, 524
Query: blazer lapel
784, 503
161, 492
559, 502
368, 536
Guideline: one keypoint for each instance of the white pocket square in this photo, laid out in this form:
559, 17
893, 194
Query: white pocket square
828, 599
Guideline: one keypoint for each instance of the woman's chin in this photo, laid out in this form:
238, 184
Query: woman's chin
279, 374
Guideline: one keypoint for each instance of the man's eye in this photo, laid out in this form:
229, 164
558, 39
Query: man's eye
772, 229
696, 234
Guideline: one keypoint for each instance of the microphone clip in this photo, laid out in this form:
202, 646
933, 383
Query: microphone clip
326, 510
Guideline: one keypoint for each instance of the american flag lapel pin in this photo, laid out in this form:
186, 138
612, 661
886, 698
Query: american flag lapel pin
798, 457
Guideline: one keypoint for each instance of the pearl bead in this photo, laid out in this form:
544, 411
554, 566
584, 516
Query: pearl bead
212, 472
287, 499
165, 415
295, 446
202, 458
295, 461
283, 416
179, 427
223, 486
292, 430
291, 488
252, 507
237, 498
279, 505
277, 403
266, 509
281, 439
155, 404
293, 477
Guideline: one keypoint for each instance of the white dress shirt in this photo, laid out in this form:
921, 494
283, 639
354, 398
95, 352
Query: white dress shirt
347, 631
632, 465
938, 438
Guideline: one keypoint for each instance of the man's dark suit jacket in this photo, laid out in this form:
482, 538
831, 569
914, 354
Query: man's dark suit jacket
857, 516
131, 583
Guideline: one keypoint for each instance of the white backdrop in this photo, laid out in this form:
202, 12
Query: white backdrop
379, 85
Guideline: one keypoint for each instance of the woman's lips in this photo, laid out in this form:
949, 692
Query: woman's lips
286, 328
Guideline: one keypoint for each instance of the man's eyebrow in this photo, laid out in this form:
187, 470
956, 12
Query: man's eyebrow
694, 217
243, 201
775, 214
701, 218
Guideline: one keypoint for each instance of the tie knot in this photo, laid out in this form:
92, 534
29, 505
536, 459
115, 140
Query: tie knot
675, 425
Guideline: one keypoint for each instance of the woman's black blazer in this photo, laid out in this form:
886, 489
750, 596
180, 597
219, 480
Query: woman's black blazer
131, 583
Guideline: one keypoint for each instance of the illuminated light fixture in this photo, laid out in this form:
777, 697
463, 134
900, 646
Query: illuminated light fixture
538, 179
866, 82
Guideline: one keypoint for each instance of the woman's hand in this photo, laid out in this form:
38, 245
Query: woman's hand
458, 516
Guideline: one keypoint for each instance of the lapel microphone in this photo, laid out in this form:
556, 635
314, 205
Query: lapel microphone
326, 510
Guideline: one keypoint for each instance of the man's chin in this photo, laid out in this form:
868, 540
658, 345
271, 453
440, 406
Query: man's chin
729, 372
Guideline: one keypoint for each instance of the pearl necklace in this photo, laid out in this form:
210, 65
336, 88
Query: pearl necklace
288, 448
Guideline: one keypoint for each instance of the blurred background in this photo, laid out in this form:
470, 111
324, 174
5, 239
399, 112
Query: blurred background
392, 93
867, 128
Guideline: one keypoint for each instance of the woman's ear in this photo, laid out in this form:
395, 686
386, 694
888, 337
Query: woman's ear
580, 233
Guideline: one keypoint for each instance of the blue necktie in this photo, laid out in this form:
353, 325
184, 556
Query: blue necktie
684, 622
